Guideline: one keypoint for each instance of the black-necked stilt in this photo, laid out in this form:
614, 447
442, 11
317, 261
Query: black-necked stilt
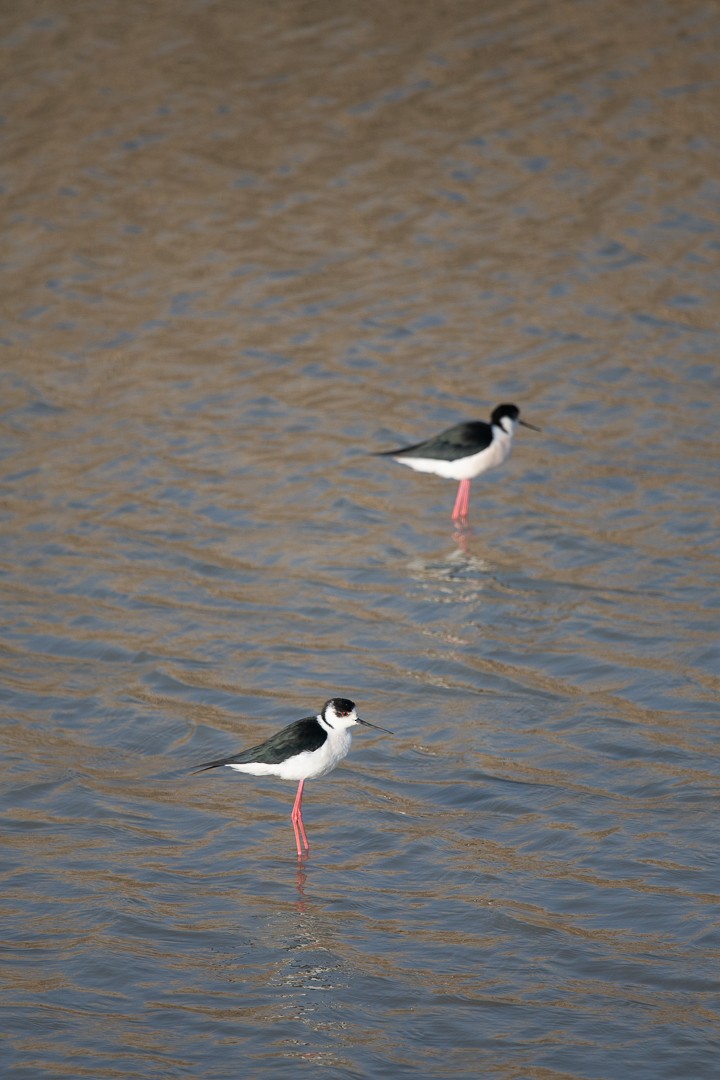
464, 451
302, 751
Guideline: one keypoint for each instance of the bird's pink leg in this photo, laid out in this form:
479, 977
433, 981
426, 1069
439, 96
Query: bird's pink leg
462, 502
466, 504
458, 500
296, 818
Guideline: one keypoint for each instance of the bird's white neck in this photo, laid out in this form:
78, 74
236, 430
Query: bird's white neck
504, 428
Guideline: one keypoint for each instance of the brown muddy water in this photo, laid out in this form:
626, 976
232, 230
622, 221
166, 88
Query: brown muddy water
245, 244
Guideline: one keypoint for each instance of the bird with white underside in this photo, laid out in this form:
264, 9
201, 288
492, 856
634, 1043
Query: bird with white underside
464, 451
304, 750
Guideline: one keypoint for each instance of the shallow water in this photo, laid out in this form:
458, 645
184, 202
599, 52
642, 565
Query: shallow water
244, 246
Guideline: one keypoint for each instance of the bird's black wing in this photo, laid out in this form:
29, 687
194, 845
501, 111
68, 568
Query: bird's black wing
458, 441
305, 734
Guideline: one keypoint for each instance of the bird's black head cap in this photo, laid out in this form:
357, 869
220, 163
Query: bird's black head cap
501, 411
341, 706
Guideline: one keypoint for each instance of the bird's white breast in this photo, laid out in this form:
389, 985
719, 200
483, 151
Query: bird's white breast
468, 467
307, 765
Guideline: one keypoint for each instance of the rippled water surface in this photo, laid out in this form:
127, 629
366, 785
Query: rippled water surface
244, 245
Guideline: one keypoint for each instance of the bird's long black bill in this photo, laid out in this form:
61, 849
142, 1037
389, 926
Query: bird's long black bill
531, 426
376, 726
